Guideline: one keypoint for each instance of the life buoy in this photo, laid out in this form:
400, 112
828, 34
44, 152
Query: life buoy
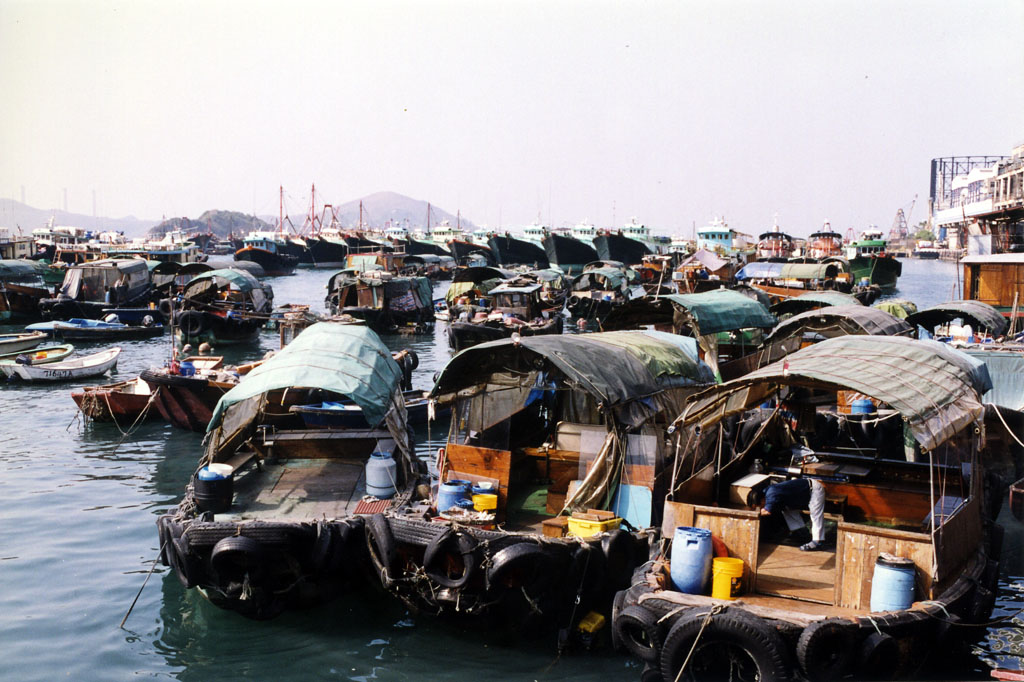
453, 547
826, 649
879, 657
732, 644
637, 630
381, 545
192, 323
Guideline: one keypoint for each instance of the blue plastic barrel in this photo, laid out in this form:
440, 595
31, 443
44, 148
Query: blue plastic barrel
449, 494
862, 406
691, 559
892, 587
380, 475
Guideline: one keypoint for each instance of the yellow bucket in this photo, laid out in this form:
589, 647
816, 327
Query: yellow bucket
727, 581
485, 501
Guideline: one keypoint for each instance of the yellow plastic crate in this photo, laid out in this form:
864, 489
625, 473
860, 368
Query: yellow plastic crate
584, 528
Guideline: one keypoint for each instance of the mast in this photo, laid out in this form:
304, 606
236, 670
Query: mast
428, 217
360, 215
280, 209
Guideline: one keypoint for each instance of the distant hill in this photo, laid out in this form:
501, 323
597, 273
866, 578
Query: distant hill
381, 207
220, 223
15, 214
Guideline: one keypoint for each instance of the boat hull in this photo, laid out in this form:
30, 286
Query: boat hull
325, 252
462, 251
185, 402
568, 253
416, 247
199, 326
273, 264
511, 251
22, 302
620, 248
115, 403
19, 342
465, 334
68, 370
882, 272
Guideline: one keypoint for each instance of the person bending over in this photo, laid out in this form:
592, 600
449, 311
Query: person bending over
788, 498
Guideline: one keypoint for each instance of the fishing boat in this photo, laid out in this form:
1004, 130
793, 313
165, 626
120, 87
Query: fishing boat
548, 432
39, 355
630, 244
515, 307
225, 306
979, 322
910, 550
65, 370
464, 251
269, 250
785, 279
509, 250
15, 343
870, 264
123, 403
812, 300
273, 518
22, 286
92, 287
825, 243
602, 286
774, 245
187, 392
383, 302
566, 252
80, 329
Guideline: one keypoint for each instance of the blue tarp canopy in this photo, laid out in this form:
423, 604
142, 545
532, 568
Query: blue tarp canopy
774, 270
722, 310
349, 360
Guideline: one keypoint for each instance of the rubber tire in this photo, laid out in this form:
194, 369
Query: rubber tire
166, 309
185, 565
617, 602
414, 360
322, 548
761, 642
382, 548
235, 552
435, 557
826, 649
192, 323
879, 657
617, 546
638, 631
529, 557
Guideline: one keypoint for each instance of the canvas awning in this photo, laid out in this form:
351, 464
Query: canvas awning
813, 300
774, 270
240, 279
722, 310
934, 387
843, 319
980, 315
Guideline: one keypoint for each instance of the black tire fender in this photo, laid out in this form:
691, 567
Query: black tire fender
166, 308
826, 649
761, 642
879, 657
236, 556
185, 564
618, 558
617, 602
382, 548
414, 360
449, 544
527, 559
322, 547
638, 631
192, 323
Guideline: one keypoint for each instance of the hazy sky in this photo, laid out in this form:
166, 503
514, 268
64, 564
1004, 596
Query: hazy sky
673, 112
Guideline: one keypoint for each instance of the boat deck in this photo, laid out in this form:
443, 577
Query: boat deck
786, 571
298, 490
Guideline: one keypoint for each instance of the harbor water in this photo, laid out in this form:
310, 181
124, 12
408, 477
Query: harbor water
78, 508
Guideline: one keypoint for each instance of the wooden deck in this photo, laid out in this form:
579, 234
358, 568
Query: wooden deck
298, 490
786, 571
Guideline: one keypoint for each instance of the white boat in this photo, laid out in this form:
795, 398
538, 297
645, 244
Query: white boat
11, 343
78, 368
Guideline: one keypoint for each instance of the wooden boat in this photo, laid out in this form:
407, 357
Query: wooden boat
91, 287
995, 279
65, 370
80, 329
226, 306
920, 499
188, 400
384, 302
285, 529
515, 308
40, 355
123, 403
533, 413
13, 343
601, 286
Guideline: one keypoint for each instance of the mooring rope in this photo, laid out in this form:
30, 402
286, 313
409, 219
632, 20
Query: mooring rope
715, 610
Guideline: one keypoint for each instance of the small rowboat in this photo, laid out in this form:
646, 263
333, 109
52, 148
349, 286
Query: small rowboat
11, 343
78, 329
40, 356
68, 370
122, 403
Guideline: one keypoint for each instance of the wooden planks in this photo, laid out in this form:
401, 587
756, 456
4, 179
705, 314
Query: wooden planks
480, 464
857, 548
786, 571
739, 529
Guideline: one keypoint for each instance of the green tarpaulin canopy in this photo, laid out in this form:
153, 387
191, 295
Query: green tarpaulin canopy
813, 300
13, 270
934, 387
243, 281
347, 359
723, 310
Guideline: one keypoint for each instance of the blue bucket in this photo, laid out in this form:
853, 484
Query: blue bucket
449, 494
862, 406
691, 559
892, 587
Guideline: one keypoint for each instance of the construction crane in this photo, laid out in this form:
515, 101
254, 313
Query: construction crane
900, 225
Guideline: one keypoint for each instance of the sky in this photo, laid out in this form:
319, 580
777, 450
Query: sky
563, 111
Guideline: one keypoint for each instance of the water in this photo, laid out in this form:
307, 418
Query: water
78, 538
